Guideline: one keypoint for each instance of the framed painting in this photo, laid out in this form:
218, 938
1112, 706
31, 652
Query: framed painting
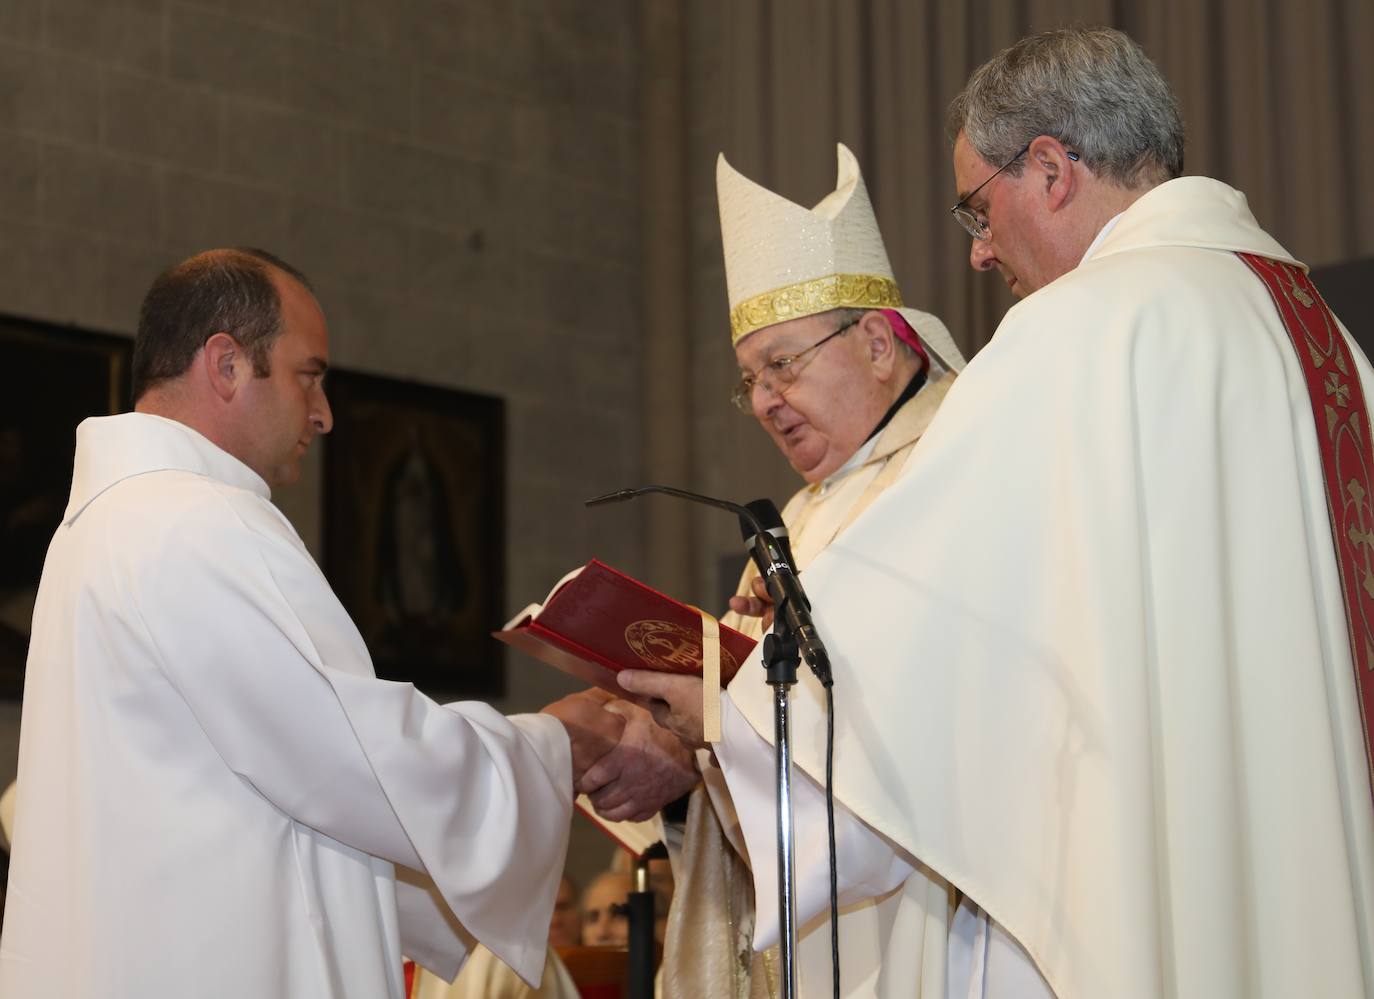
51, 378
414, 531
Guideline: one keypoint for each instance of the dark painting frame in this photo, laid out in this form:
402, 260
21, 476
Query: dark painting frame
414, 528
51, 378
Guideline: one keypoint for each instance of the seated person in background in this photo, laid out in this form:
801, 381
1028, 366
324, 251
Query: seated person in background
605, 910
602, 922
565, 928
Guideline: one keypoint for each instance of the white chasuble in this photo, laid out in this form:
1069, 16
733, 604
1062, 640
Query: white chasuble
1090, 652
214, 788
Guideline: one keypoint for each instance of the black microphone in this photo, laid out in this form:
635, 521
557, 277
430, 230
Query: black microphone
766, 513
771, 551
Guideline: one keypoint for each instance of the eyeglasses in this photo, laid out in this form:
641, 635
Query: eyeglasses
975, 224
779, 372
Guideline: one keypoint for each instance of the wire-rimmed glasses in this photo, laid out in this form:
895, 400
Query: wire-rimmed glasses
777, 373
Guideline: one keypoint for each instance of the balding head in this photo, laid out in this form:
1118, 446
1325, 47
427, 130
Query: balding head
219, 291
234, 345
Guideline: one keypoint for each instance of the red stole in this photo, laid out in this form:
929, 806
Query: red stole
1343, 433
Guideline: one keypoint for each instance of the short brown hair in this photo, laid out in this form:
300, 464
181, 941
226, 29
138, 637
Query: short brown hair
219, 291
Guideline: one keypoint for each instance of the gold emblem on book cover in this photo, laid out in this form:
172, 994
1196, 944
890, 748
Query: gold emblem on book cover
666, 646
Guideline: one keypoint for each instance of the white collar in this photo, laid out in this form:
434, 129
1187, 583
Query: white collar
1190, 212
112, 448
1101, 235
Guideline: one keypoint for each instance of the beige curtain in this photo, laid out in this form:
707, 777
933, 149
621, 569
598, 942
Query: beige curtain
1277, 97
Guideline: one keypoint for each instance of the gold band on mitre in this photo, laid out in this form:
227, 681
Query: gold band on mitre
807, 298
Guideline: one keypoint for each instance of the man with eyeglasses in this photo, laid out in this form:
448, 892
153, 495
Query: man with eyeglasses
844, 378
834, 367
1196, 517
1104, 656
829, 357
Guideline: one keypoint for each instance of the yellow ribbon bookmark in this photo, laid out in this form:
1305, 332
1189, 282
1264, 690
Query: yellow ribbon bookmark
710, 676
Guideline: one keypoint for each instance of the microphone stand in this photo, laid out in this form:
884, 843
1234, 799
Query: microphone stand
781, 658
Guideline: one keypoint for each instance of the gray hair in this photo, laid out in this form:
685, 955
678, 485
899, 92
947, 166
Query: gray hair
1091, 88
845, 315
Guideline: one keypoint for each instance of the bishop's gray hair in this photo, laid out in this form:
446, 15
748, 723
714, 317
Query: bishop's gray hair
1091, 88
843, 316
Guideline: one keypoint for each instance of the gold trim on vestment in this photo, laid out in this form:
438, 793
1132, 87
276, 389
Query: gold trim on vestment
710, 677
807, 298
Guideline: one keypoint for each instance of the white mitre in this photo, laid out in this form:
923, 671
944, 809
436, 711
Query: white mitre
783, 261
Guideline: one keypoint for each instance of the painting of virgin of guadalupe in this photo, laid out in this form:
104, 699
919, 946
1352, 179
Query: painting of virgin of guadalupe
413, 532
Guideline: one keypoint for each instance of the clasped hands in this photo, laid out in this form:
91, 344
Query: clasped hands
628, 764
630, 761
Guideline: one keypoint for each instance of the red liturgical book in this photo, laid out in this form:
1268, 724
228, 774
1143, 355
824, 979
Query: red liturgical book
597, 622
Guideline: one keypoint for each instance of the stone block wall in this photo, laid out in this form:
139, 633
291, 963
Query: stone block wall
460, 181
